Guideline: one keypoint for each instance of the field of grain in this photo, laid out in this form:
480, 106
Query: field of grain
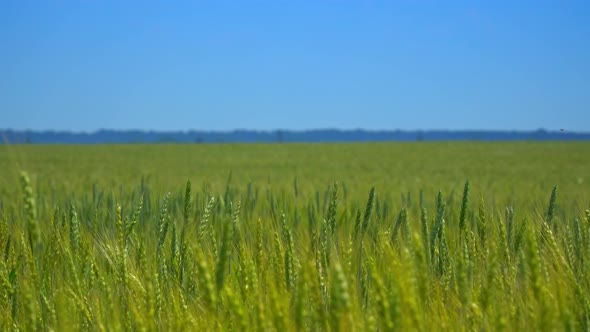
301, 237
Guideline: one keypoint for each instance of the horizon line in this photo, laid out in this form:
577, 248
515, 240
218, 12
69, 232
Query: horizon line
327, 129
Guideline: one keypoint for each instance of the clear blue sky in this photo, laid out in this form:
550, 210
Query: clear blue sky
294, 64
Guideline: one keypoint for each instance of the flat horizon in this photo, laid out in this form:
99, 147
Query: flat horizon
541, 129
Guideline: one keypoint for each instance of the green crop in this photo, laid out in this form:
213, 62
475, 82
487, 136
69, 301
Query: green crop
298, 238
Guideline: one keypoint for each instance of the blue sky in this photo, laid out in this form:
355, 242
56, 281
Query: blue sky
294, 64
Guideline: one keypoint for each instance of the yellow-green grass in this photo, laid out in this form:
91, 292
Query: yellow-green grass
287, 237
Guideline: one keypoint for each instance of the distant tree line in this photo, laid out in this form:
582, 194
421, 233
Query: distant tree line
280, 136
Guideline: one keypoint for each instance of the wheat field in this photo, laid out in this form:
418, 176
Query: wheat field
295, 237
